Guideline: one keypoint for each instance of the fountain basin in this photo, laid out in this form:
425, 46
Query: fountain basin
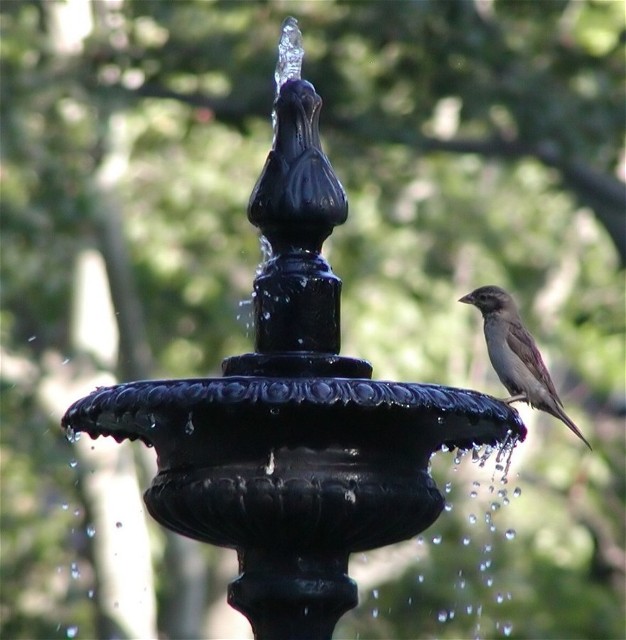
300, 463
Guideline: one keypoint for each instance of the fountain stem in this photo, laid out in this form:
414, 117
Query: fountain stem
287, 596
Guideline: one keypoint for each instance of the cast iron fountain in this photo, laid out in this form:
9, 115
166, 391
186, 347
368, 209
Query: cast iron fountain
295, 457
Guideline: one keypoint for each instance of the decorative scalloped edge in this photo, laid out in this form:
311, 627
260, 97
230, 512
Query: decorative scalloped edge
187, 394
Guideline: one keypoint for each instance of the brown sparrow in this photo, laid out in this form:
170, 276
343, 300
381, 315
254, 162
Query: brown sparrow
514, 354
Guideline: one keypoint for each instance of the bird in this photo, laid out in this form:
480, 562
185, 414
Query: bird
514, 354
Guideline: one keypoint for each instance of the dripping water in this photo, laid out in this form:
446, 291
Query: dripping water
483, 534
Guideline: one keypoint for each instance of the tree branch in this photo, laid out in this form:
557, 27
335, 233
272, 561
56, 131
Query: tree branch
601, 192
604, 194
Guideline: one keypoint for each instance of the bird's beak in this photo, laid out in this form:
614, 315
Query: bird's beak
468, 299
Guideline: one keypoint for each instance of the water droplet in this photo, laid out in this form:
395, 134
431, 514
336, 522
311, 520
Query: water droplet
472, 518
473, 494
189, 426
517, 492
469, 609
495, 506
499, 598
448, 506
448, 487
65, 506
444, 447
66, 361
485, 456
73, 463
90, 593
152, 421
375, 594
71, 632
271, 464
266, 315
466, 540
420, 578
71, 435
509, 534
507, 628
442, 616
74, 571
90, 530
437, 539
440, 420
32, 338
375, 613
118, 525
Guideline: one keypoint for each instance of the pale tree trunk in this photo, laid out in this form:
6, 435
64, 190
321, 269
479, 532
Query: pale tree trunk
121, 549
116, 526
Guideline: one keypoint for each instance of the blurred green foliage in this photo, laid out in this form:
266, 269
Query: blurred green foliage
455, 128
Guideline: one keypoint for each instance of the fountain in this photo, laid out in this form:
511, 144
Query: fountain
295, 457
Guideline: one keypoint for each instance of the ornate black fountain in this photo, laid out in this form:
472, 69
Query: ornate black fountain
295, 457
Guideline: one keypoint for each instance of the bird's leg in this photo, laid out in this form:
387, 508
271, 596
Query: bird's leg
516, 398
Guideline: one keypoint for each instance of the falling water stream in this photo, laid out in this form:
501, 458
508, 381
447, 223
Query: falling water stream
481, 535
478, 489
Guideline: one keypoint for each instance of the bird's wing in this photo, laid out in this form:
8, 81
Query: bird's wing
521, 342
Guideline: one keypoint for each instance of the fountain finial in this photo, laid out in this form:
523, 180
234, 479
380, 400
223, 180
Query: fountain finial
296, 203
297, 199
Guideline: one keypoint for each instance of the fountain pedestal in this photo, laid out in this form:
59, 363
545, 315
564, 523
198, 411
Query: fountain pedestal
287, 596
295, 457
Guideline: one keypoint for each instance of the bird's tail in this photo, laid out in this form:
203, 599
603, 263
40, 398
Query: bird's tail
561, 415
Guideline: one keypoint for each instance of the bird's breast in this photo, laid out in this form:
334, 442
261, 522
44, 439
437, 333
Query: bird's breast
509, 367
